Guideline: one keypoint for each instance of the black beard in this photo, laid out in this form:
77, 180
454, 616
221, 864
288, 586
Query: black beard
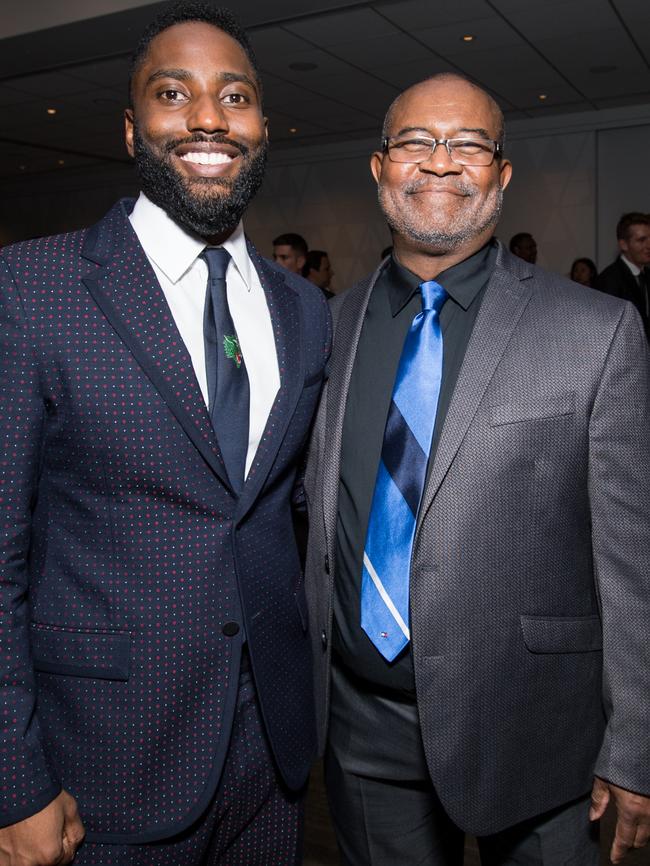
208, 206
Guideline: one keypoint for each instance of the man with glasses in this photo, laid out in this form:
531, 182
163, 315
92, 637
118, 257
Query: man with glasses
478, 569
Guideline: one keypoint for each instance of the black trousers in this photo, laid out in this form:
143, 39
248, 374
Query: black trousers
253, 819
386, 812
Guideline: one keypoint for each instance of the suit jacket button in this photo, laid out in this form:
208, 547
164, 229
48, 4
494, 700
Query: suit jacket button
323, 638
230, 629
327, 564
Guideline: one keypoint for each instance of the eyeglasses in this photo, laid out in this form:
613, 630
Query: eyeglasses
462, 151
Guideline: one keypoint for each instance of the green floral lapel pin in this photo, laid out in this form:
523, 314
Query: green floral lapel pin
232, 350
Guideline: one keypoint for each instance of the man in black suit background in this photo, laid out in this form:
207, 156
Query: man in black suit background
628, 276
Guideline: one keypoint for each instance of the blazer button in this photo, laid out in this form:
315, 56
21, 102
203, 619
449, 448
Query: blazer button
327, 564
230, 629
323, 639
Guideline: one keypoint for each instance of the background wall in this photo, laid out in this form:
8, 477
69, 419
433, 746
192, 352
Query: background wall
573, 177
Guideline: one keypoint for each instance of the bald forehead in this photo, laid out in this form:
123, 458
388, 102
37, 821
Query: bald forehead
444, 97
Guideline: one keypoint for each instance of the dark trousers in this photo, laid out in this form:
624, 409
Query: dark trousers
386, 812
253, 819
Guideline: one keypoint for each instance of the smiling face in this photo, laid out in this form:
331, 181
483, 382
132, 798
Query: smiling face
196, 129
438, 207
636, 245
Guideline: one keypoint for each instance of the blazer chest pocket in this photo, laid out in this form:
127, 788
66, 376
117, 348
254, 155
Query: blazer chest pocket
534, 408
104, 655
562, 634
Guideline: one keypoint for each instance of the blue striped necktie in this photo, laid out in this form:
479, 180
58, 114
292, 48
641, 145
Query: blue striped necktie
400, 480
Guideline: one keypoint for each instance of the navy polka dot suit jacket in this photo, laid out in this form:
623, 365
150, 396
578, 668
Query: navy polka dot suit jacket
129, 571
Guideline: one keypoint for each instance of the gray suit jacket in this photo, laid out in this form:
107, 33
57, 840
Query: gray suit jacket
530, 578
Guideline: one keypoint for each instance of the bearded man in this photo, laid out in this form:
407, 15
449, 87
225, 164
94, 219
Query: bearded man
479, 558
159, 379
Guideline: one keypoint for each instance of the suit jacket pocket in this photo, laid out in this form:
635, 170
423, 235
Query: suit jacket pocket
533, 408
562, 634
104, 655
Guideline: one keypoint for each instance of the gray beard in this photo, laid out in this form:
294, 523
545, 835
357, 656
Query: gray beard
447, 239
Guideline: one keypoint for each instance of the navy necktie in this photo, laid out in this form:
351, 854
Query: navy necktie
400, 480
228, 389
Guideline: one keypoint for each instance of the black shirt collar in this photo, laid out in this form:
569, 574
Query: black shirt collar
462, 281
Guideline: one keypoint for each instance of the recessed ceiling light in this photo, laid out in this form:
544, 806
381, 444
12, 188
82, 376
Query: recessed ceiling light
543, 96
303, 66
293, 129
51, 110
62, 162
22, 167
468, 37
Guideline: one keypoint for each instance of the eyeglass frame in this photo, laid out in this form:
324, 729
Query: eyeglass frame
497, 153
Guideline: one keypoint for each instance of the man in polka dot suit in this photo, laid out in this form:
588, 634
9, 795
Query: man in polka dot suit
155, 690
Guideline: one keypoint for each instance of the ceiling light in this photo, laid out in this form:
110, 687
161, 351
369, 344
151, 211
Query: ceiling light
293, 129
543, 96
468, 37
22, 167
62, 162
303, 66
51, 110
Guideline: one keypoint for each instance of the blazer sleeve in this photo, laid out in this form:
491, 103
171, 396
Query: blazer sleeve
619, 489
27, 782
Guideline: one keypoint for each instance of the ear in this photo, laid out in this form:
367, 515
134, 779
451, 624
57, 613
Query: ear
505, 173
376, 162
128, 130
622, 245
266, 128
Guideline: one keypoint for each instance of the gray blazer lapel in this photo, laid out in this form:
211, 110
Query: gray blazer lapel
347, 330
505, 300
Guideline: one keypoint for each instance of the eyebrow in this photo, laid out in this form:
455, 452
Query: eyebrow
185, 75
478, 130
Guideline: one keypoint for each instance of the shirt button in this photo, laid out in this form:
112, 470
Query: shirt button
230, 629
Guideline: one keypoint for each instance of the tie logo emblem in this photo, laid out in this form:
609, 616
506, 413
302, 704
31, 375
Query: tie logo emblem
232, 350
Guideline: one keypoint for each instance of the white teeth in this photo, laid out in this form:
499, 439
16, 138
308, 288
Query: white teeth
203, 158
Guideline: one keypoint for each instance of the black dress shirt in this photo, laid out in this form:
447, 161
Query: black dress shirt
394, 303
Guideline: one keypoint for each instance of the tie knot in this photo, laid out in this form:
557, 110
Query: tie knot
433, 295
217, 260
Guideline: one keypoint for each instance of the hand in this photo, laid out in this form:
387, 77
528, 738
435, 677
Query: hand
48, 838
632, 816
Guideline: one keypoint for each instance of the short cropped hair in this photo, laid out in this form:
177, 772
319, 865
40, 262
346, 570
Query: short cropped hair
449, 76
515, 240
293, 240
313, 260
186, 11
634, 218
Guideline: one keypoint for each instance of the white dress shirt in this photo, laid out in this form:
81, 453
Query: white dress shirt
183, 277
